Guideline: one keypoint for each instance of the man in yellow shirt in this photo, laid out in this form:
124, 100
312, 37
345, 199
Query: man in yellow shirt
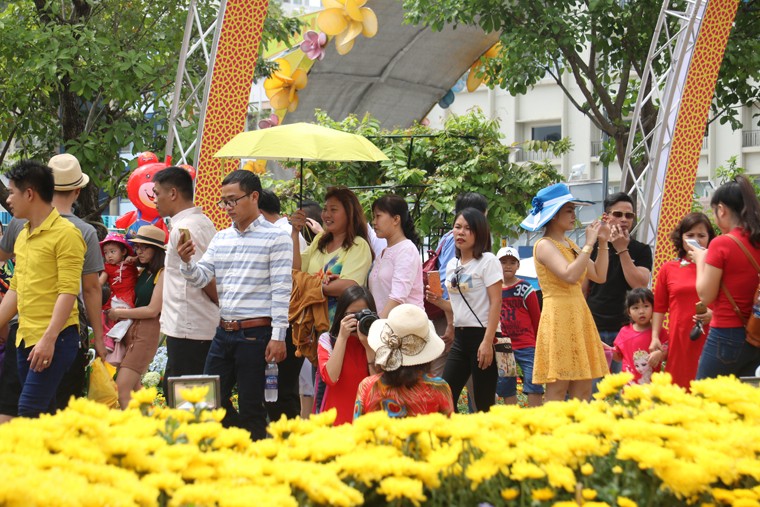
49, 254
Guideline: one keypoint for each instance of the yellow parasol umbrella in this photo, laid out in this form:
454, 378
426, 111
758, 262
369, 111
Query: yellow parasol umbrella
301, 141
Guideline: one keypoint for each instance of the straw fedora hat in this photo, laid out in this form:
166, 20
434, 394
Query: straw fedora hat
150, 235
67, 173
405, 338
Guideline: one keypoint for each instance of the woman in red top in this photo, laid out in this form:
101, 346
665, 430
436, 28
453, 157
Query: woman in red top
676, 293
737, 213
345, 357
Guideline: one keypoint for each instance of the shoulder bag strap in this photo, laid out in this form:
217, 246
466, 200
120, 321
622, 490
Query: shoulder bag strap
470, 307
723, 286
746, 252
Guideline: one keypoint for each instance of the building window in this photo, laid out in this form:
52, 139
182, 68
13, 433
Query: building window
548, 133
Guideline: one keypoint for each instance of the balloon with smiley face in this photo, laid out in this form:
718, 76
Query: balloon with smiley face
140, 193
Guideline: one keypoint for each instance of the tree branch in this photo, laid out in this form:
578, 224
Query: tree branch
8, 143
575, 65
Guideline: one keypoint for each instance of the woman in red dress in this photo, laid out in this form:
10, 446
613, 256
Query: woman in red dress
676, 293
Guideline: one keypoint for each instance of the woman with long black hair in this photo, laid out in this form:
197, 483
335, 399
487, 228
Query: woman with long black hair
727, 279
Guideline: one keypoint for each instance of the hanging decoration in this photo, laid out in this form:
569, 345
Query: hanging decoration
256, 166
272, 121
346, 20
313, 45
473, 81
283, 86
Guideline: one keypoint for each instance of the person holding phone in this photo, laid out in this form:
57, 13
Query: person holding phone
473, 281
725, 269
189, 314
675, 294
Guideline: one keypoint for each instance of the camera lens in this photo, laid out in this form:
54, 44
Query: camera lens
365, 320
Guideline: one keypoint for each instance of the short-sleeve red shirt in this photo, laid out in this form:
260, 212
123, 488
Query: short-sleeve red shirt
739, 277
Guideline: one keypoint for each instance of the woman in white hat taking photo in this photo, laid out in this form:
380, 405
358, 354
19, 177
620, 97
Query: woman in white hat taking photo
141, 341
405, 344
569, 352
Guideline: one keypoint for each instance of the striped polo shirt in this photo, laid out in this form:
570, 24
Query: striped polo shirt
252, 270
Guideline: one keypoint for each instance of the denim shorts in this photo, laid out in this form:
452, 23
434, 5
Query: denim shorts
507, 386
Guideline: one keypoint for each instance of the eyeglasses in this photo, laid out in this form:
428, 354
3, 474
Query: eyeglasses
230, 203
455, 278
619, 214
140, 248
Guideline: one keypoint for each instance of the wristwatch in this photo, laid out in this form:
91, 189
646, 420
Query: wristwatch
587, 249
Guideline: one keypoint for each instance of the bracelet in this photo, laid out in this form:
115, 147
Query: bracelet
587, 249
600, 248
621, 251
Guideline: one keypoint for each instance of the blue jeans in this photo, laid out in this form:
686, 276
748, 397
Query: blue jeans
238, 358
38, 388
507, 386
726, 352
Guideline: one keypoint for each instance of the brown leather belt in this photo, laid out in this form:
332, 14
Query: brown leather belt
237, 325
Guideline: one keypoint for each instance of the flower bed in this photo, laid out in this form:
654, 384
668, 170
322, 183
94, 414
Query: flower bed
651, 445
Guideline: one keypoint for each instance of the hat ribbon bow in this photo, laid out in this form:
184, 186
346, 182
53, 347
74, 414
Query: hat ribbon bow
538, 205
390, 354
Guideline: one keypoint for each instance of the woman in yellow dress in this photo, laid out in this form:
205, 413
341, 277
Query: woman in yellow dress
569, 352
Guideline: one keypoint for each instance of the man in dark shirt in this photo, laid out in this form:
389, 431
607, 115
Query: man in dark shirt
629, 268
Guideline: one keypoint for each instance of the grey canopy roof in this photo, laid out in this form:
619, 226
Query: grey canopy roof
397, 76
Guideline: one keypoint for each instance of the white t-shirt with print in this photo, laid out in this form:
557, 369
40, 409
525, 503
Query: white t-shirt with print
474, 278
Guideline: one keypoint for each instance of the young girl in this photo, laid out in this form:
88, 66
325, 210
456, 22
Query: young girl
405, 345
473, 281
632, 342
121, 278
345, 357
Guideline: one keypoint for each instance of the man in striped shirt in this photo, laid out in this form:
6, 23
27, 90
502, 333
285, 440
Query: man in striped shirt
251, 261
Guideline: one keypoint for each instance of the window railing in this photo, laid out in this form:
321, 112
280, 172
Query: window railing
750, 138
534, 156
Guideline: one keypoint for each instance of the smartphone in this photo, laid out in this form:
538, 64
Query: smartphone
184, 236
434, 281
694, 243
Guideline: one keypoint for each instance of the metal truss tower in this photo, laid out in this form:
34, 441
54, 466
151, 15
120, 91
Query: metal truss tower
652, 146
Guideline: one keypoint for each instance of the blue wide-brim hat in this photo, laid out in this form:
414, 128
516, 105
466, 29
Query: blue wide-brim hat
547, 203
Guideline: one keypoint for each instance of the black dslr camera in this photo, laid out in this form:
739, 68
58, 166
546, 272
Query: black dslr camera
365, 319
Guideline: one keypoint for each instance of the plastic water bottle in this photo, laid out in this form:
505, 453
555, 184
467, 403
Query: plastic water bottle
271, 382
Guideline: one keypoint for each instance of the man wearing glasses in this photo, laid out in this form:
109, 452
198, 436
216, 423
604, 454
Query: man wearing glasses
251, 261
629, 268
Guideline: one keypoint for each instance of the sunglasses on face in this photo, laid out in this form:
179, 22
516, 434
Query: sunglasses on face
619, 214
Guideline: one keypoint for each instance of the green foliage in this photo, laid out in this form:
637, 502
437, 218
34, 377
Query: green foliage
430, 168
603, 45
94, 77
